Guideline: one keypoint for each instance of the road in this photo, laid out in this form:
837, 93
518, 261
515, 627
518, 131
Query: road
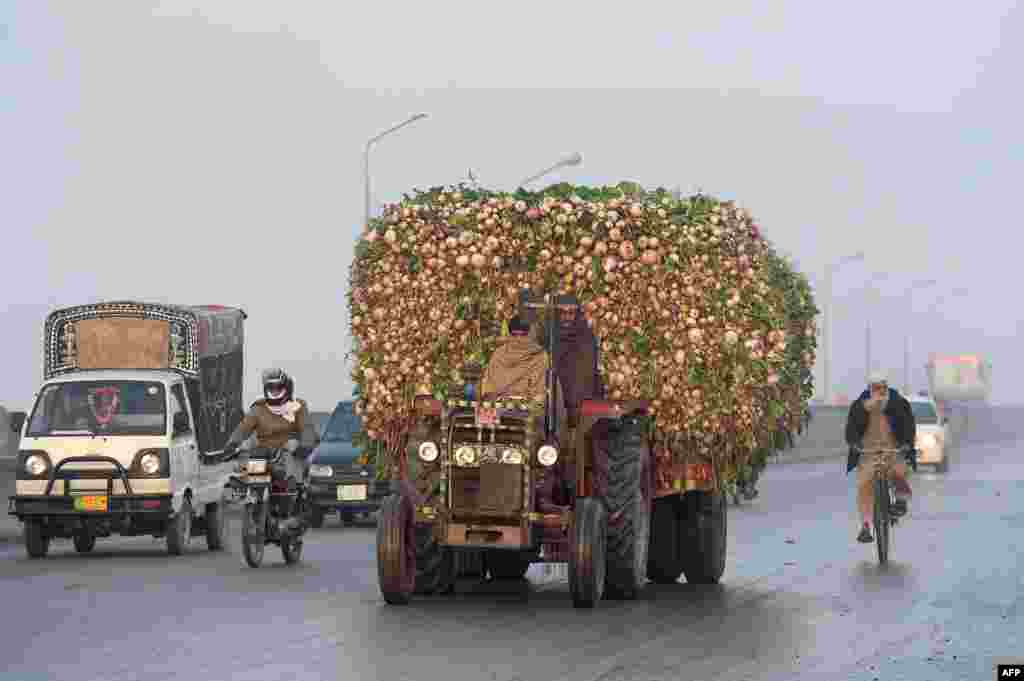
800, 600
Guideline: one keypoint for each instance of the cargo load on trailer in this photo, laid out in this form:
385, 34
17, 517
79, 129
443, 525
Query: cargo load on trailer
959, 378
665, 343
137, 401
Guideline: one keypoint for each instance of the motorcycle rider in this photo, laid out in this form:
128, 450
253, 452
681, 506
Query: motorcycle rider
880, 418
278, 420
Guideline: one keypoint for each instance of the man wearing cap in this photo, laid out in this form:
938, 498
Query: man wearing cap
880, 418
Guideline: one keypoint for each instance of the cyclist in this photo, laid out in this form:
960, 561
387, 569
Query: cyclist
880, 418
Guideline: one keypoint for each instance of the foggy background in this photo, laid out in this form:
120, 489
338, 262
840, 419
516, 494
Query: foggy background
156, 151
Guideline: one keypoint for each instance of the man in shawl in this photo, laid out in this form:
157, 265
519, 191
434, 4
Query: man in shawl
518, 369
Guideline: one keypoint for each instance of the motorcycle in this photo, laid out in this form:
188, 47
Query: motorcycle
275, 505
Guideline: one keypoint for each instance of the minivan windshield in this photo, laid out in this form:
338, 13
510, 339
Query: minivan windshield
99, 408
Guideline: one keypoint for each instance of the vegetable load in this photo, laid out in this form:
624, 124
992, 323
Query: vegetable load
693, 309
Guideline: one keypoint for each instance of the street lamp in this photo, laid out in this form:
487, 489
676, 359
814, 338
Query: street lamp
827, 340
869, 289
366, 161
570, 160
917, 285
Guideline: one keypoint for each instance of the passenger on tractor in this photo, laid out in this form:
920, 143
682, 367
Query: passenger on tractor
517, 369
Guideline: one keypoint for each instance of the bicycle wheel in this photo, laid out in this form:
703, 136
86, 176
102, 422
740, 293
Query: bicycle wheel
882, 520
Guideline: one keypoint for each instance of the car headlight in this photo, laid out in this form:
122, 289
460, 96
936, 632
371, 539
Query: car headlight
465, 456
928, 440
257, 467
149, 463
513, 456
319, 470
35, 465
547, 455
428, 451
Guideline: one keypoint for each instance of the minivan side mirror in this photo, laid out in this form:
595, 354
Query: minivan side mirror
17, 421
181, 424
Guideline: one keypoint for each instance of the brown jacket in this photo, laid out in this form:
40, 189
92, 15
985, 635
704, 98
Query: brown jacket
271, 430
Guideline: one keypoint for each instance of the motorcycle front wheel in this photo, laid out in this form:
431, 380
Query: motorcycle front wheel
253, 518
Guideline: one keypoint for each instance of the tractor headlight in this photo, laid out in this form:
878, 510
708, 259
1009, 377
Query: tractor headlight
256, 467
513, 456
149, 463
35, 465
547, 455
319, 470
465, 456
428, 452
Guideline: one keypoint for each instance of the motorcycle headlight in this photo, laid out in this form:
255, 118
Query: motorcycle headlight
547, 455
428, 451
35, 465
465, 456
257, 467
319, 470
512, 456
149, 463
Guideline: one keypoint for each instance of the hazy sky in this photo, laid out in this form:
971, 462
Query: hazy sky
156, 151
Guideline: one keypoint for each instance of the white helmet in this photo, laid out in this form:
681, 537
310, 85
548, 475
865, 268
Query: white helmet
877, 377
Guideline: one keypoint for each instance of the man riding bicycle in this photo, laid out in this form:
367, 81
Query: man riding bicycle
880, 418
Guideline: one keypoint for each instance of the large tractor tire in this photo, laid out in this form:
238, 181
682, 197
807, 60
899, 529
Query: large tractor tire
587, 553
704, 538
665, 557
396, 550
507, 564
435, 564
629, 513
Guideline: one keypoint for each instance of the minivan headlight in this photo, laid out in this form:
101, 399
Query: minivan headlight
149, 463
35, 465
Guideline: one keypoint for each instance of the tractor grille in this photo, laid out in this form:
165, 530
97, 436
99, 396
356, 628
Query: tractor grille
492, 489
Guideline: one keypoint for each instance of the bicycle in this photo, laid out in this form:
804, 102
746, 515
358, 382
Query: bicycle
884, 498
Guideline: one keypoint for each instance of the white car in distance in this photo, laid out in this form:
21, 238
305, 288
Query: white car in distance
933, 433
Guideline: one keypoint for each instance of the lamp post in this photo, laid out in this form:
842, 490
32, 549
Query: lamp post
868, 290
366, 161
570, 160
829, 273
917, 285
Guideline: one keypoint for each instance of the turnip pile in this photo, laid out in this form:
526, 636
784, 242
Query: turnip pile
693, 309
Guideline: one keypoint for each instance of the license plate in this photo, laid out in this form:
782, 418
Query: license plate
351, 492
91, 503
486, 417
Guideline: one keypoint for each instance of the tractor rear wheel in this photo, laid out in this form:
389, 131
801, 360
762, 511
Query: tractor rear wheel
630, 521
664, 561
706, 530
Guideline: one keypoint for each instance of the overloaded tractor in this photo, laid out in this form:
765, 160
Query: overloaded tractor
126, 432
533, 464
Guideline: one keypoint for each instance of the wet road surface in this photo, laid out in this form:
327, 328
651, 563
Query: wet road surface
800, 600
